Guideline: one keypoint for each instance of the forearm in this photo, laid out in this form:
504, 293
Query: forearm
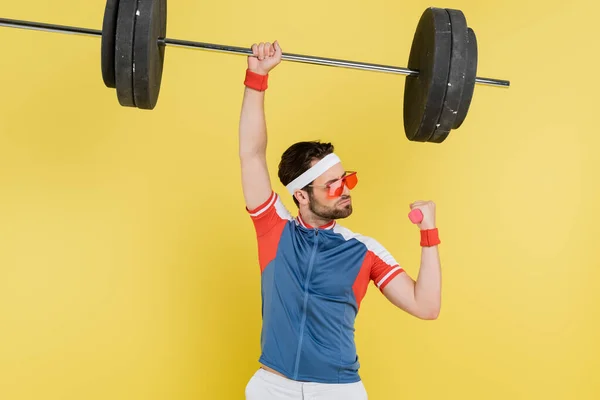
253, 129
428, 285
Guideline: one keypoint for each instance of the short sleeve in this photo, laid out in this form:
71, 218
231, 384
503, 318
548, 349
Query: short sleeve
269, 221
384, 267
269, 214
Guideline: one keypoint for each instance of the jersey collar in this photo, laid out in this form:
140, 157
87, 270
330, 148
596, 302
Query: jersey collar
327, 226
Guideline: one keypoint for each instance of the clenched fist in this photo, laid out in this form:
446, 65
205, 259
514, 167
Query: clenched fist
266, 57
428, 210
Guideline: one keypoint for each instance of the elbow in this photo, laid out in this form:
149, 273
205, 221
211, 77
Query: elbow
430, 313
252, 153
430, 316
247, 154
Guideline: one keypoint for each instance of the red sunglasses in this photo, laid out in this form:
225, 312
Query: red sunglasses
336, 188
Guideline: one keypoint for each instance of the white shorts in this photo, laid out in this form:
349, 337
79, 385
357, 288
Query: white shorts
265, 385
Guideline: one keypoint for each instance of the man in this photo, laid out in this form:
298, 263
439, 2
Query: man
314, 272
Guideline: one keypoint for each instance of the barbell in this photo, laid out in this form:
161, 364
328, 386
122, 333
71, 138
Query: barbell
440, 76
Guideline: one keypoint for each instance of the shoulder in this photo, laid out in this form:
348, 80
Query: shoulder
368, 241
272, 205
271, 214
371, 244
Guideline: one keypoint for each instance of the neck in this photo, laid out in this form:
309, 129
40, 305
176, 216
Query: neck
313, 220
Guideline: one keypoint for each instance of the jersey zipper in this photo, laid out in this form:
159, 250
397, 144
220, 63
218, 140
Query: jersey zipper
303, 321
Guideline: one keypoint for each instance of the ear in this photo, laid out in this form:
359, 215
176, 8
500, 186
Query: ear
301, 196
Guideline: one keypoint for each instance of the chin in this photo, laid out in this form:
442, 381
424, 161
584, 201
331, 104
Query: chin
344, 212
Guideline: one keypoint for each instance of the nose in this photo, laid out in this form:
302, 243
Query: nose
346, 190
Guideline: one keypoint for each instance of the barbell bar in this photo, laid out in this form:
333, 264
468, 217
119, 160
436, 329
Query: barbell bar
332, 62
440, 76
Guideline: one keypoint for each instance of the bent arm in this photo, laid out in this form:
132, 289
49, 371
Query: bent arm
256, 184
421, 298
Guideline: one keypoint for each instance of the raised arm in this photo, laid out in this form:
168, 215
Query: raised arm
256, 183
421, 298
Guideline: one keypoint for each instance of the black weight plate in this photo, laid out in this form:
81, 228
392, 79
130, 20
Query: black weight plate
467, 96
430, 55
107, 51
456, 76
149, 56
124, 52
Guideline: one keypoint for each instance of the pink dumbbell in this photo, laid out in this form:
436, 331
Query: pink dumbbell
416, 216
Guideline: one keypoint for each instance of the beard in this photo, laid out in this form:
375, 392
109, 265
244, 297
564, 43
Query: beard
332, 212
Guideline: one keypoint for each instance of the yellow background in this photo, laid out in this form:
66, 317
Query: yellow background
128, 265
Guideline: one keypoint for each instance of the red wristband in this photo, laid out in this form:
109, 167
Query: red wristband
430, 237
256, 81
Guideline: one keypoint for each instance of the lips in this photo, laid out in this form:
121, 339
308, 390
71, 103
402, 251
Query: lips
344, 202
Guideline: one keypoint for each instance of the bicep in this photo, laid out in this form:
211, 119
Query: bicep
393, 281
256, 184
400, 291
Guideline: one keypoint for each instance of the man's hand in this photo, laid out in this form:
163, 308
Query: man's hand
266, 57
428, 210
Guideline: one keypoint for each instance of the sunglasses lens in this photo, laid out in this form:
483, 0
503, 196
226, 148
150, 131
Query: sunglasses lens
351, 181
336, 188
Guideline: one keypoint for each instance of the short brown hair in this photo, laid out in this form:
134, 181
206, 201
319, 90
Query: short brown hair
298, 158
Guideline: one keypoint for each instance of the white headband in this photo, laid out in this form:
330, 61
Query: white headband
313, 173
